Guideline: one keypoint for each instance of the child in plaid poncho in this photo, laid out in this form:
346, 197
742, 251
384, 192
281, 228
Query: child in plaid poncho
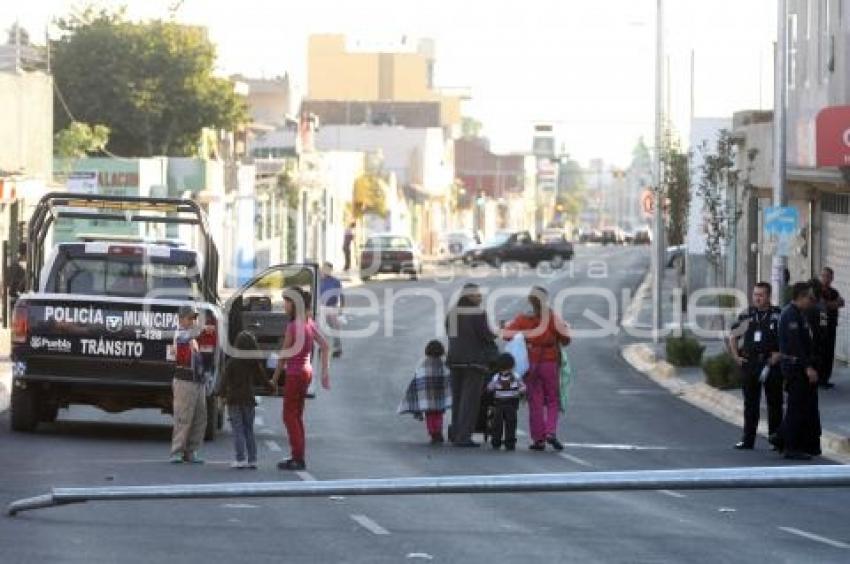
429, 393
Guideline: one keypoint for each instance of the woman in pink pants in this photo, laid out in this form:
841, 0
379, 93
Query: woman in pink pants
545, 332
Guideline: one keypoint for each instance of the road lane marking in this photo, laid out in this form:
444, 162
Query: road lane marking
671, 493
258, 421
814, 537
272, 446
240, 506
576, 459
604, 446
305, 476
419, 556
369, 525
640, 392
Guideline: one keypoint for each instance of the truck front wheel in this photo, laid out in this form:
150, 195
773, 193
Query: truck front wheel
24, 409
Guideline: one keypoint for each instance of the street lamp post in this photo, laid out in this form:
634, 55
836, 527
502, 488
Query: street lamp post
657, 217
779, 129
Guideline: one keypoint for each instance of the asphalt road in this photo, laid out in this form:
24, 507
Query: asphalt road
617, 420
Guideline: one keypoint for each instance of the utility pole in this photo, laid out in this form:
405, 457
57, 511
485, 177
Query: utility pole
780, 263
657, 213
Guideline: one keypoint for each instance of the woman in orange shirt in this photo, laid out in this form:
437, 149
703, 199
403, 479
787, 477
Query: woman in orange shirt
545, 332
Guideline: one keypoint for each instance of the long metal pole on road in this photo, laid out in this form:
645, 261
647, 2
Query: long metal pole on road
657, 214
779, 131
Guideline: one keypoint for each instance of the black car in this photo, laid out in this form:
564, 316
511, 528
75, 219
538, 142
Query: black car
519, 247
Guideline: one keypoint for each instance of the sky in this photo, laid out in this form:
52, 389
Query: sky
587, 66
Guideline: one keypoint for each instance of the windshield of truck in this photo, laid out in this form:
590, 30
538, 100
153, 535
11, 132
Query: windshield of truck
497, 240
107, 276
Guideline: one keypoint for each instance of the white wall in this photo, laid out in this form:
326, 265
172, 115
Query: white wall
418, 156
26, 124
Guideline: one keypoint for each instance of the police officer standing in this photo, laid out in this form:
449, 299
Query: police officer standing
799, 433
758, 358
832, 302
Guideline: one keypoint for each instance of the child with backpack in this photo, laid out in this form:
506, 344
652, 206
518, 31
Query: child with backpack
506, 388
241, 374
429, 393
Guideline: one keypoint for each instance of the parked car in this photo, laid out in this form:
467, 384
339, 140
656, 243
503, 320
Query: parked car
611, 236
518, 246
390, 253
454, 244
642, 237
590, 236
675, 255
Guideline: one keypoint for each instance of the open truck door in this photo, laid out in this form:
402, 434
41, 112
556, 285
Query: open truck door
258, 307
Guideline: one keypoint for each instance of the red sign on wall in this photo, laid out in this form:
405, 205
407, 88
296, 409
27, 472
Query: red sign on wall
833, 136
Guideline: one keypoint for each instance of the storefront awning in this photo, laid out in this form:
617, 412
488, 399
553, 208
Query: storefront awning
833, 137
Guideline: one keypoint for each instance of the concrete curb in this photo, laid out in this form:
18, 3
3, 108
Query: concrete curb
716, 402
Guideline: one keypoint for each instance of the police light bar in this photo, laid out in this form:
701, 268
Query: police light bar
121, 205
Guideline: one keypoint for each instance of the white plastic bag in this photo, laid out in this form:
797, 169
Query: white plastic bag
517, 349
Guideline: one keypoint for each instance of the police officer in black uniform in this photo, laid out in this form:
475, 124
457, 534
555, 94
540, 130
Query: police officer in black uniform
799, 433
758, 358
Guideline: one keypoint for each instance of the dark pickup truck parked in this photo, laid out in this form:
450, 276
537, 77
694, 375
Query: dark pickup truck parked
96, 325
519, 247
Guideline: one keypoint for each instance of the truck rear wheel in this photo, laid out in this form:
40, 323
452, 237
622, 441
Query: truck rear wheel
557, 262
24, 407
212, 418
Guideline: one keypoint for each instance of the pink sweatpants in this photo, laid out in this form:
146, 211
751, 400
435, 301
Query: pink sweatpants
542, 383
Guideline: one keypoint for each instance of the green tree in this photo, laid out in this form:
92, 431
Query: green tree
471, 128
80, 139
151, 83
717, 188
676, 188
13, 32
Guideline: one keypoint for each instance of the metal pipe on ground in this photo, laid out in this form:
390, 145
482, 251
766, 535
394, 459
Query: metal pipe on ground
640, 480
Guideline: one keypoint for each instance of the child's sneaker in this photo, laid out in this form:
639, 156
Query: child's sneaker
238, 464
176, 459
194, 458
251, 465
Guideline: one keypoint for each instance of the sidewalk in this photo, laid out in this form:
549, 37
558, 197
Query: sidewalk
689, 383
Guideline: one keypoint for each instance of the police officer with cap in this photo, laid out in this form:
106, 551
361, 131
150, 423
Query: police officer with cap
758, 358
799, 433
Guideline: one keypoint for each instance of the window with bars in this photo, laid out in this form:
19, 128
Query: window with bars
836, 203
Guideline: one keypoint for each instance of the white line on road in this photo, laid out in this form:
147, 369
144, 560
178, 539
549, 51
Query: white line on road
258, 421
603, 446
305, 476
369, 525
671, 493
240, 506
814, 537
639, 392
576, 459
272, 446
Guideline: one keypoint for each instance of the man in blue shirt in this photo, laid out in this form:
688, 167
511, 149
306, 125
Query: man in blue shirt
800, 432
331, 301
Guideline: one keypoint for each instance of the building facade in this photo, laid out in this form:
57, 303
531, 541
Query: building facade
348, 68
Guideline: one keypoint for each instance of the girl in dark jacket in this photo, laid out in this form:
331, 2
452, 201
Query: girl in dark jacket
240, 377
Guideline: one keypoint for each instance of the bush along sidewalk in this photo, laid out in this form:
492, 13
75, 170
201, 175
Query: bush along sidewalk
722, 372
684, 351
